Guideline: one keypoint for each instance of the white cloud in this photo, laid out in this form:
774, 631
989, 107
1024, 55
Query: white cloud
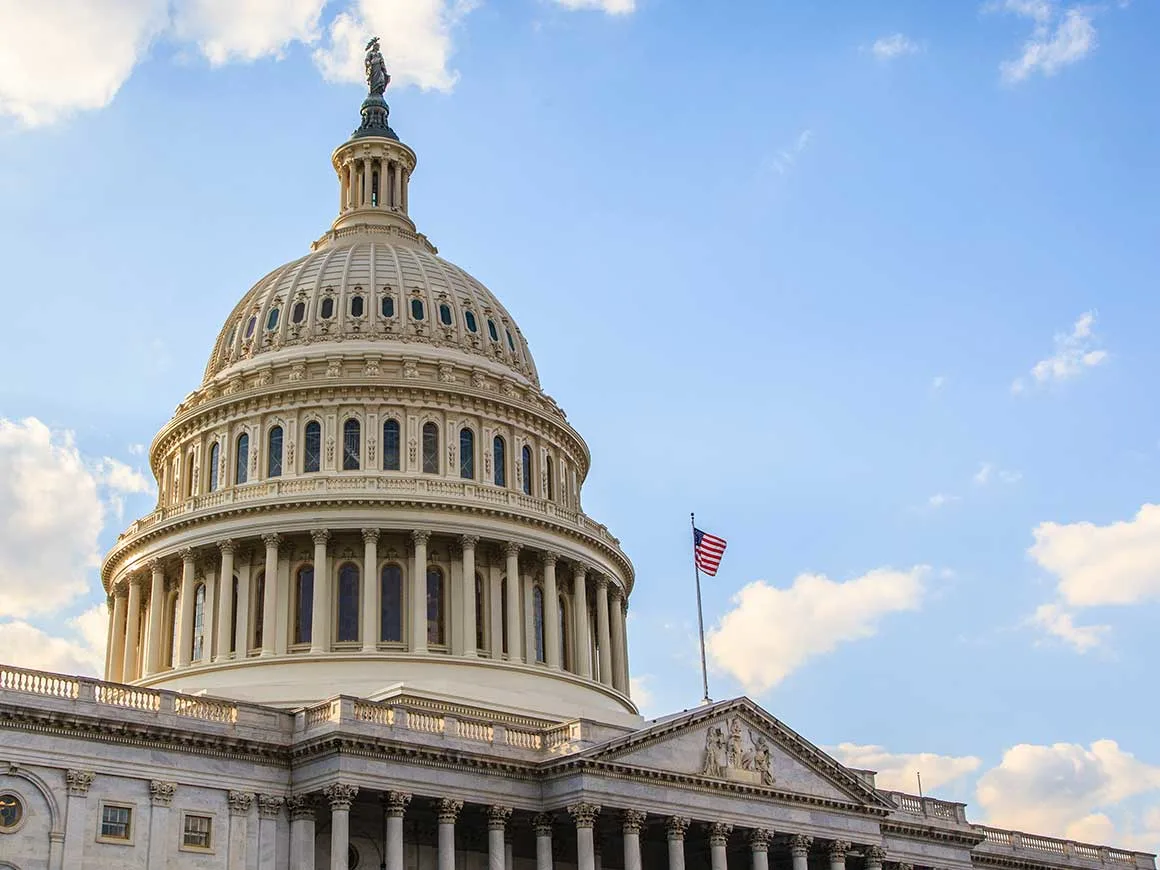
941, 499
84, 653
1064, 790
896, 771
1058, 37
612, 7
1054, 620
1074, 352
61, 56
642, 694
894, 46
772, 632
245, 30
783, 161
938, 382
138, 449
988, 473
1097, 565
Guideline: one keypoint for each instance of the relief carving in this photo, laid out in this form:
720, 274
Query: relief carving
738, 755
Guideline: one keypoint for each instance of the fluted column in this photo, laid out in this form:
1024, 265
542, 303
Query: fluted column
225, 599
603, 630
718, 842
580, 621
675, 829
156, 620
419, 592
132, 630
320, 615
115, 671
799, 850
759, 848
584, 815
240, 803
448, 813
184, 639
470, 629
269, 808
497, 818
873, 856
300, 808
395, 805
370, 585
542, 825
269, 602
340, 796
619, 663
76, 825
631, 823
551, 612
242, 634
838, 850
514, 593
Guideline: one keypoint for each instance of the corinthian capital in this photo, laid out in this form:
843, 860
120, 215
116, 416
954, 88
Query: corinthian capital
675, 827
370, 535
719, 833
240, 802
161, 793
300, 806
270, 805
511, 548
542, 824
340, 795
799, 844
420, 536
449, 811
468, 542
320, 536
226, 546
838, 849
396, 803
584, 814
497, 817
759, 840
78, 781
271, 540
549, 557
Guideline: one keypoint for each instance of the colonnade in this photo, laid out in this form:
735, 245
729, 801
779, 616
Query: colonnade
358, 189
560, 613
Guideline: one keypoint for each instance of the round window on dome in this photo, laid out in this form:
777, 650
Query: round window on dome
445, 314
356, 306
469, 319
327, 308
491, 330
299, 312
11, 813
417, 309
388, 306
250, 324
272, 319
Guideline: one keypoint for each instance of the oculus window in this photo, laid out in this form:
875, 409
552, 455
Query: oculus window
11, 812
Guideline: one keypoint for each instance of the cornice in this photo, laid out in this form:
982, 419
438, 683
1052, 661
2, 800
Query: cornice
930, 833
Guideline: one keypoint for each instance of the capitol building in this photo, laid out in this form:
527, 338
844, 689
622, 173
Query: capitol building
369, 624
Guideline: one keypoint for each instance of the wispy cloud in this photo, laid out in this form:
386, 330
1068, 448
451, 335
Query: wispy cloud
941, 500
1055, 621
988, 473
896, 45
1075, 352
1059, 37
787, 157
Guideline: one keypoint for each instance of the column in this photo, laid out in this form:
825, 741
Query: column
161, 797
269, 808
394, 805
320, 616
419, 592
584, 814
301, 811
497, 818
470, 629
551, 611
370, 586
675, 828
495, 614
340, 796
619, 668
242, 637
580, 622
759, 848
603, 630
838, 850
397, 169
631, 821
542, 825
76, 816
514, 593
240, 803
132, 630
718, 841
799, 850
156, 622
403, 178
116, 665
342, 189
184, 639
109, 606
283, 605
270, 595
366, 182
448, 813
225, 596
873, 855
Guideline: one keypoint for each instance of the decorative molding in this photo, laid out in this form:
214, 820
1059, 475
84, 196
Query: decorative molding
874, 855
759, 840
79, 781
719, 833
584, 814
300, 806
161, 793
340, 795
727, 756
420, 536
542, 824
369, 535
272, 539
449, 810
270, 805
631, 821
837, 850
226, 546
676, 826
799, 844
497, 817
395, 803
240, 802
468, 542
320, 536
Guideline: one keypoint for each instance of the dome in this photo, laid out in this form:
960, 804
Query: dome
360, 290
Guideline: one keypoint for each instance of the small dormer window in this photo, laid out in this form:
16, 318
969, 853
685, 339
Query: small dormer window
299, 312
491, 330
327, 308
417, 311
445, 314
469, 319
388, 306
250, 324
272, 319
356, 306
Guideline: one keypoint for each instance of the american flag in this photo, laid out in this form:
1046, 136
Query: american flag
707, 551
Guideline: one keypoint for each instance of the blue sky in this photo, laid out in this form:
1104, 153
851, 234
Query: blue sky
871, 287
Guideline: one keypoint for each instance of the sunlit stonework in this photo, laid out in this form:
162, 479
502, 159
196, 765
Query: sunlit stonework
369, 623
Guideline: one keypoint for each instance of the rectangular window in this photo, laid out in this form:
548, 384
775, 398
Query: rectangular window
116, 823
197, 832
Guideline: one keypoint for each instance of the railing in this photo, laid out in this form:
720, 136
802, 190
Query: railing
127, 696
36, 683
418, 721
1018, 841
524, 739
928, 807
209, 709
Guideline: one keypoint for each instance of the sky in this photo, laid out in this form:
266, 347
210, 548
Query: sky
868, 286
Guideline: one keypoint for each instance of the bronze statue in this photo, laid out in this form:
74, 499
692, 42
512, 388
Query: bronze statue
377, 76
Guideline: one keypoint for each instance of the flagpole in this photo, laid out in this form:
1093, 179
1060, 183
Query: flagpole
700, 615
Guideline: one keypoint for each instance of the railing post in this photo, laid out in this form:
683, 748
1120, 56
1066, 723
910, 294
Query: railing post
86, 689
1016, 840
345, 708
168, 703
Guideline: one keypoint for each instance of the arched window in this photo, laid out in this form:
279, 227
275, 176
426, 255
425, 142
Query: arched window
469, 319
491, 330
312, 452
392, 454
234, 617
242, 459
466, 454
445, 314
527, 481
538, 622
391, 604
351, 445
430, 448
503, 634
188, 474
480, 614
417, 309
215, 453
274, 452
499, 460
550, 478
327, 308
298, 314
259, 610
272, 319
198, 649
436, 627
388, 307
304, 604
348, 599
565, 636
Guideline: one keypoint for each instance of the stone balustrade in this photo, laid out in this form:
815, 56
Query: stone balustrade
928, 807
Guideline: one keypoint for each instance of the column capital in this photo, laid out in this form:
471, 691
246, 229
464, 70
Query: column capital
449, 810
227, 546
615, 593
719, 833
300, 806
600, 581
320, 536
468, 542
874, 854
137, 580
161, 793
675, 827
121, 588
631, 821
759, 840
584, 814
240, 802
420, 536
395, 803
549, 557
497, 817
580, 571
542, 824
371, 535
904, 866
78, 781
156, 566
511, 548
340, 795
799, 844
271, 540
188, 556
838, 849
270, 805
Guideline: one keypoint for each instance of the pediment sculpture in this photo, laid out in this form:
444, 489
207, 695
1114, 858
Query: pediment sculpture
733, 751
